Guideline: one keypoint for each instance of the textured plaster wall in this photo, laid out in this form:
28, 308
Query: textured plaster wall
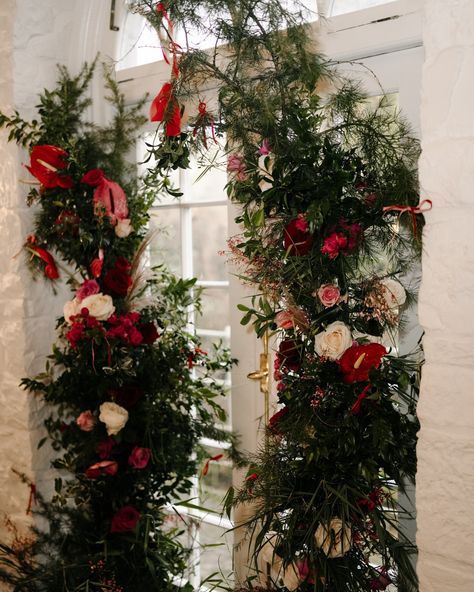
33, 38
445, 484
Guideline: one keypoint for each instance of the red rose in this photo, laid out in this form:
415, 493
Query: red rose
104, 447
149, 333
139, 457
288, 355
125, 519
104, 467
127, 396
93, 177
45, 163
296, 237
276, 417
117, 280
357, 361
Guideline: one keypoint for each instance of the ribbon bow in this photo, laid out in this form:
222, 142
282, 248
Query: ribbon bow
423, 206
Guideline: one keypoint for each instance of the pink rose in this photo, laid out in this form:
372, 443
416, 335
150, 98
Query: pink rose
88, 288
139, 457
293, 316
329, 295
86, 421
235, 164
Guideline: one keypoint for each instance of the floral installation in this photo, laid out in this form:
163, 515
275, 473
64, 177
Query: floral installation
331, 220
127, 389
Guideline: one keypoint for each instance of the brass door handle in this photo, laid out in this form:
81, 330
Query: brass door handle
263, 375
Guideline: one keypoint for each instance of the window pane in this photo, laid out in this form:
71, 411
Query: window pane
215, 310
214, 486
215, 558
345, 6
207, 183
166, 245
139, 43
209, 240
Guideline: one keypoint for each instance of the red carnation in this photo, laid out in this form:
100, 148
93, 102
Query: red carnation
296, 237
357, 361
46, 162
165, 108
102, 468
125, 519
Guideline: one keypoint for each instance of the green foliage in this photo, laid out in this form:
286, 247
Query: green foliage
314, 164
136, 356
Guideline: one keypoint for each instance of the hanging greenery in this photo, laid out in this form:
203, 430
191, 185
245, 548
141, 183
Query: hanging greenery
331, 226
129, 391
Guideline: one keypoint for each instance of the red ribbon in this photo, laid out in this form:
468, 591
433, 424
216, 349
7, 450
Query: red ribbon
160, 8
355, 409
201, 122
412, 210
205, 468
32, 498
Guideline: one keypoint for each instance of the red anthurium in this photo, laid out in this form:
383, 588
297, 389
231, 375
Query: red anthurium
357, 361
97, 264
102, 468
110, 198
50, 270
165, 108
46, 163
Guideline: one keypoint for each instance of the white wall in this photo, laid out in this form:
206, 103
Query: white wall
445, 484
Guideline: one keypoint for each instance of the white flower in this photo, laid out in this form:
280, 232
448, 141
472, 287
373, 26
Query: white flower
334, 341
394, 293
71, 308
100, 306
334, 539
266, 171
114, 417
123, 228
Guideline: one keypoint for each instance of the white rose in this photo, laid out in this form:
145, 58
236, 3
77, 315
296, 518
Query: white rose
266, 171
71, 308
334, 539
114, 417
394, 293
334, 341
100, 306
123, 228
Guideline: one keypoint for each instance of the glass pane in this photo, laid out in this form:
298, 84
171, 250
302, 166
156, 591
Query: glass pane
142, 167
166, 245
214, 486
207, 183
207, 344
209, 241
215, 558
215, 310
139, 43
345, 6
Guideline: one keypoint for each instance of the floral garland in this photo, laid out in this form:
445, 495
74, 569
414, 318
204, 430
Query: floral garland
129, 390
332, 221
